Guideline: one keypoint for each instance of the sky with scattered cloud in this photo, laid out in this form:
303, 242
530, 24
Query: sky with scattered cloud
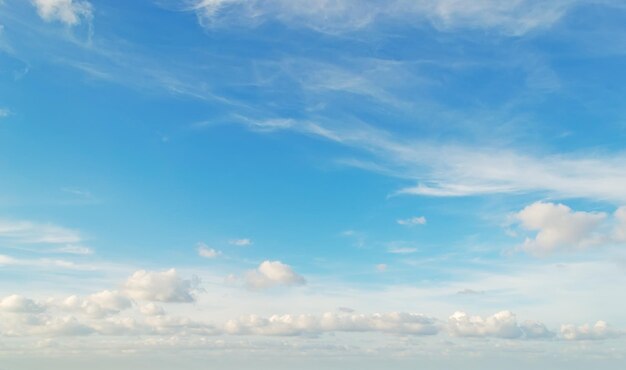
338, 184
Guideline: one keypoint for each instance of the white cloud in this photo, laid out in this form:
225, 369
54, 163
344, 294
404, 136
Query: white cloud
46, 262
501, 325
272, 273
600, 330
381, 267
511, 17
206, 252
4, 112
19, 304
37, 233
619, 233
74, 249
104, 303
151, 309
401, 250
536, 330
442, 170
165, 286
412, 221
558, 227
70, 12
240, 242
398, 323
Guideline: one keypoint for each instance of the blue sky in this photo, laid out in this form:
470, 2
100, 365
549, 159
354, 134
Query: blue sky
280, 182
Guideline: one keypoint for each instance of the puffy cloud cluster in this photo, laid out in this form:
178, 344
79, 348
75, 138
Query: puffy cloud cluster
500, 325
400, 323
165, 286
70, 12
600, 330
558, 227
100, 304
272, 273
19, 304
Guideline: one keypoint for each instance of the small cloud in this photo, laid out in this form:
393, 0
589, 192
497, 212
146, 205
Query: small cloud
240, 242
273, 273
345, 309
74, 249
4, 112
206, 252
160, 286
412, 221
381, 267
600, 330
70, 12
401, 250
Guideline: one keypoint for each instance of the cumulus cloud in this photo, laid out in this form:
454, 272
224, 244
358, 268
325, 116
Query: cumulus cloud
19, 304
272, 273
70, 12
206, 252
600, 330
164, 286
151, 309
500, 325
559, 227
399, 323
412, 221
536, 330
102, 304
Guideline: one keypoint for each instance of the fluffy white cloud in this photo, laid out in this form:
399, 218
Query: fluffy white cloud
412, 221
151, 309
37, 233
70, 12
501, 325
558, 227
165, 286
206, 252
100, 304
19, 304
399, 323
272, 273
600, 330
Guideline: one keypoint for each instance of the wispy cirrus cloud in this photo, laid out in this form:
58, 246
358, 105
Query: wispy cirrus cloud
28, 232
513, 17
453, 170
